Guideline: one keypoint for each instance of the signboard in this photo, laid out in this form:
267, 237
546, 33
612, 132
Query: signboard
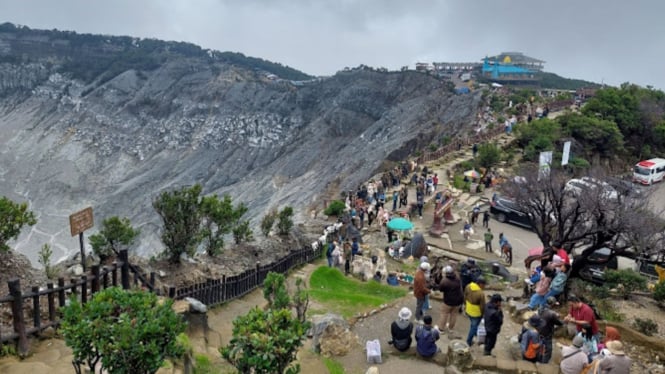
81, 221
566, 153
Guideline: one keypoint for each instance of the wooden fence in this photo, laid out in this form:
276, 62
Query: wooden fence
452, 147
38, 309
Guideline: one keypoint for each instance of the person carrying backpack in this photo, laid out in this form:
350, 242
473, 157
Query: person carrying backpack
530, 342
426, 337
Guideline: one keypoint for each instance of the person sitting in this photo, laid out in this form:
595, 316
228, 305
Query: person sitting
377, 276
542, 287
392, 279
426, 337
590, 345
617, 361
400, 330
573, 358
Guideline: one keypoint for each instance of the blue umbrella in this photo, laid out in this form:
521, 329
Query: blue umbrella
400, 224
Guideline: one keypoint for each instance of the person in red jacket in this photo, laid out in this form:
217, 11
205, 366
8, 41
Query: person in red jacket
420, 289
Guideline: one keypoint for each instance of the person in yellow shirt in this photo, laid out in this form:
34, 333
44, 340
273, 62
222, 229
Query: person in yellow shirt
474, 301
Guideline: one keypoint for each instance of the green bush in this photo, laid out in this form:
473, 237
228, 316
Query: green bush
608, 312
335, 208
128, 331
267, 222
647, 326
625, 281
659, 292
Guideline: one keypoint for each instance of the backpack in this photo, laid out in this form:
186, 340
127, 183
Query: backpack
533, 349
595, 310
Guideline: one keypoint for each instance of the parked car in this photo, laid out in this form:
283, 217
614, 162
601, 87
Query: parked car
600, 260
584, 185
505, 210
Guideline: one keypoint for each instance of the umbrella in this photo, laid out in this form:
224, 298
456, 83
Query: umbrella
400, 224
472, 174
536, 251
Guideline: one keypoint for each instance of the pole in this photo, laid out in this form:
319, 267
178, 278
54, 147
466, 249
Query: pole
82, 250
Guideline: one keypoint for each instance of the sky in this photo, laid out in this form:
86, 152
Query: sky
604, 41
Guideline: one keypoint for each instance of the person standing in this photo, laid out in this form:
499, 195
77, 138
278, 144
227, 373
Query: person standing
395, 198
435, 180
420, 200
453, 298
580, 313
329, 253
474, 149
474, 298
486, 219
493, 316
488, 239
348, 257
428, 275
420, 289
401, 329
550, 319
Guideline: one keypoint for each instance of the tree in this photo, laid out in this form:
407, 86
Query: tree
242, 232
218, 218
13, 216
116, 234
180, 212
590, 219
267, 222
129, 331
488, 155
599, 136
265, 342
44, 258
285, 223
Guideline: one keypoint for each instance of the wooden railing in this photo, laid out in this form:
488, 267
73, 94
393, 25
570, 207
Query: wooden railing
38, 309
452, 147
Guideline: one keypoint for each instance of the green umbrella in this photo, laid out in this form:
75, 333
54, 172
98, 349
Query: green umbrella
400, 224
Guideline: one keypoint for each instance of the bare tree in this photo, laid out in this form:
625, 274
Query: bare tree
589, 218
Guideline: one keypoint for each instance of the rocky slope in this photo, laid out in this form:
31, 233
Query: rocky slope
109, 122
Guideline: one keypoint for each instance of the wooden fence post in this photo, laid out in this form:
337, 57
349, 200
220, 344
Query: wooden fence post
124, 269
17, 315
152, 281
84, 289
61, 292
95, 279
36, 317
171, 292
51, 302
256, 279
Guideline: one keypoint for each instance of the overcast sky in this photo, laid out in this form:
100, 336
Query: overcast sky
610, 41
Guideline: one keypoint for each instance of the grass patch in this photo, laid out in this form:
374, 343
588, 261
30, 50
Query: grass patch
333, 366
348, 296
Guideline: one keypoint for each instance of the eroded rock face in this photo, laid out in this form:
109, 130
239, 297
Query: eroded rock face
117, 137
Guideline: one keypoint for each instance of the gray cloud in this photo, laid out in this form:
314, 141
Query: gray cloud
613, 41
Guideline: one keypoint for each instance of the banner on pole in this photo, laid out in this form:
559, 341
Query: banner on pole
566, 153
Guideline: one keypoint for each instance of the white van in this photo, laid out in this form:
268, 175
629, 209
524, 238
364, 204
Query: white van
649, 171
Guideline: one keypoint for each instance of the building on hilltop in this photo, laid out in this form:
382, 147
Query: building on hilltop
511, 67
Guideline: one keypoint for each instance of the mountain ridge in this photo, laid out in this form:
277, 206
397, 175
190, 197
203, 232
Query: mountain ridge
116, 143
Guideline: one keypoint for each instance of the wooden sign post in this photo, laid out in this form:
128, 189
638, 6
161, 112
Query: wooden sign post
79, 222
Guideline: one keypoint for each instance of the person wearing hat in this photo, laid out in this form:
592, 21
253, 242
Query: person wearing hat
420, 289
401, 329
530, 343
474, 298
617, 362
550, 319
453, 298
493, 316
426, 305
573, 358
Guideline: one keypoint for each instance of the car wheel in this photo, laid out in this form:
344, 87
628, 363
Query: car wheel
585, 273
501, 218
